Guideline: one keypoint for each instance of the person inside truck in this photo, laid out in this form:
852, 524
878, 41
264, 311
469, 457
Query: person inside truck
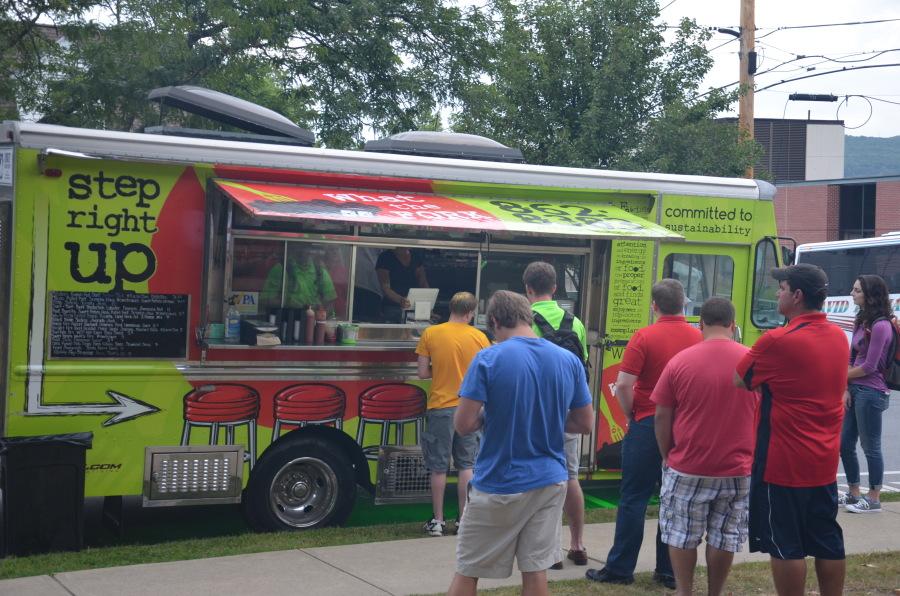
398, 269
307, 283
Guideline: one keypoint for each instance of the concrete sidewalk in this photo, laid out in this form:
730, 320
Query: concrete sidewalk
417, 566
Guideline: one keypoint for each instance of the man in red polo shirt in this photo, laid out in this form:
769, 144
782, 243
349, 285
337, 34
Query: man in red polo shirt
801, 370
647, 353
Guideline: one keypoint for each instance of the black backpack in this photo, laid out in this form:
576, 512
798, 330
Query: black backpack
565, 337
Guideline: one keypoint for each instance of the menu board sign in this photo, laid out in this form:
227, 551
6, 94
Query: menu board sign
118, 325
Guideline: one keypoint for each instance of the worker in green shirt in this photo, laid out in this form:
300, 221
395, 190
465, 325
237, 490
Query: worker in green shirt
307, 283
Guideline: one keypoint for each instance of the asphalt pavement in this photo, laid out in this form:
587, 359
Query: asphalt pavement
890, 449
416, 566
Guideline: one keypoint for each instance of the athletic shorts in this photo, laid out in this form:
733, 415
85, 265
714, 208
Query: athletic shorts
795, 523
691, 506
497, 528
439, 440
573, 454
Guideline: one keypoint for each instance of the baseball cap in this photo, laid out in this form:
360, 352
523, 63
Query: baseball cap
809, 278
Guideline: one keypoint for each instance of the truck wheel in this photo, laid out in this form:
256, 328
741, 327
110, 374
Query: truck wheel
300, 483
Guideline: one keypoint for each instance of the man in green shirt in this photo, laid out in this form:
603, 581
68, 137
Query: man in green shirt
307, 283
540, 285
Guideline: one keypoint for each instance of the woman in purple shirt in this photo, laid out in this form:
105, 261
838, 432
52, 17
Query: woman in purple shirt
867, 395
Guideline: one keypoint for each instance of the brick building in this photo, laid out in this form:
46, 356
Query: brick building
841, 209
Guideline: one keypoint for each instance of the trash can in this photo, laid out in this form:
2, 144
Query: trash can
42, 493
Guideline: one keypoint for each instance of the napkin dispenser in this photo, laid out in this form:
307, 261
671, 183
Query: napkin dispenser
259, 333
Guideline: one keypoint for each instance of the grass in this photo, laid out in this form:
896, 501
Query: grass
874, 573
159, 535
200, 548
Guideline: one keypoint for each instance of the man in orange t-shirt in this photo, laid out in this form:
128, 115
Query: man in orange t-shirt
647, 353
445, 352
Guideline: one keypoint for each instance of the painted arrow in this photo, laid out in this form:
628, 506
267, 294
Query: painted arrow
124, 408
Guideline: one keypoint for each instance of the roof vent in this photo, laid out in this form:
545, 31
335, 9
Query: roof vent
445, 144
262, 124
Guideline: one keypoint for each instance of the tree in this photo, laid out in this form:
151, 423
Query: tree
338, 67
594, 83
687, 139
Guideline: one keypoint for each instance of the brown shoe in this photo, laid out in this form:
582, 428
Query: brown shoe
557, 566
579, 557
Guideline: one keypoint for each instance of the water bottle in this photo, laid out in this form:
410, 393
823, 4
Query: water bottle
232, 324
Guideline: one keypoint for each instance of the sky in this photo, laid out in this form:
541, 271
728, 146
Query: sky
831, 42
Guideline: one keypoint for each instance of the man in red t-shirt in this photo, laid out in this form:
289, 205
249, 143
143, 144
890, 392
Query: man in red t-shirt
705, 431
801, 369
647, 353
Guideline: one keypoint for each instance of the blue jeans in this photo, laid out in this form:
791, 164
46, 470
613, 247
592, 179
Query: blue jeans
863, 421
641, 473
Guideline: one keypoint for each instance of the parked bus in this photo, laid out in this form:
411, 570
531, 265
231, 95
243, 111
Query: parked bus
123, 256
844, 260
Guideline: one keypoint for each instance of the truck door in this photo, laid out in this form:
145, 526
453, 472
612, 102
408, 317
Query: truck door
706, 270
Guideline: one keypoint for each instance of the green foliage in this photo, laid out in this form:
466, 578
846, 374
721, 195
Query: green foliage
591, 83
337, 67
686, 139
595, 84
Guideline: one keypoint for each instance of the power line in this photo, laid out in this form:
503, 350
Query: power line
896, 103
828, 72
849, 23
801, 57
847, 101
809, 67
723, 44
837, 24
668, 5
839, 59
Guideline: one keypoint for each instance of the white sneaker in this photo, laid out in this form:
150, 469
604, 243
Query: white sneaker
864, 505
435, 527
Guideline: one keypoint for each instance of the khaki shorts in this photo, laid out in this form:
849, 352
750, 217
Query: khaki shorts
496, 528
573, 454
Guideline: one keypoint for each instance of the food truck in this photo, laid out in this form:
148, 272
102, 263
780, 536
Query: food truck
206, 306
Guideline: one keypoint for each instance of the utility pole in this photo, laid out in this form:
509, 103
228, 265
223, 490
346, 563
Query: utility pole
748, 69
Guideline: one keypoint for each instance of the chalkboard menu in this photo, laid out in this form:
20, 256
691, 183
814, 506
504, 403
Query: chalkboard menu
118, 325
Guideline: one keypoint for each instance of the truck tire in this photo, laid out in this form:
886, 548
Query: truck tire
300, 483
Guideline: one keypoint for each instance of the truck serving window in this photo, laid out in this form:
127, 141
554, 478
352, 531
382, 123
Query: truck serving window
448, 270
277, 274
703, 277
764, 311
503, 271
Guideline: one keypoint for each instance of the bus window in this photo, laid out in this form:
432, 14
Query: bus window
842, 266
703, 277
764, 311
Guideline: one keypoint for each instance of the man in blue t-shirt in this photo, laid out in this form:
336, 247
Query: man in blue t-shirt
525, 393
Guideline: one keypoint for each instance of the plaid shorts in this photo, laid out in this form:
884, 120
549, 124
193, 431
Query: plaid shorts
690, 506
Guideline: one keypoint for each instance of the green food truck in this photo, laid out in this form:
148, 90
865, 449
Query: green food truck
206, 306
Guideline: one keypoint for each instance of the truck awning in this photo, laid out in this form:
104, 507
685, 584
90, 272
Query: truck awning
561, 218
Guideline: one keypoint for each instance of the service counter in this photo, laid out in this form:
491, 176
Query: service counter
376, 343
